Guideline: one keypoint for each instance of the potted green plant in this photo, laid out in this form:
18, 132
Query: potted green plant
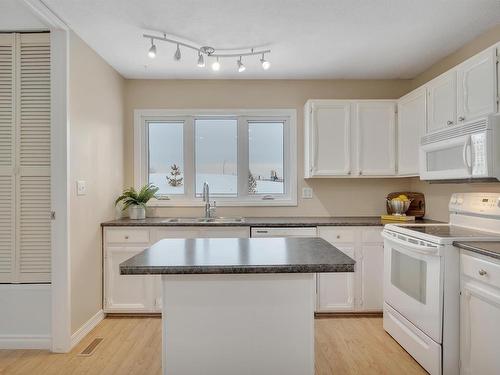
135, 201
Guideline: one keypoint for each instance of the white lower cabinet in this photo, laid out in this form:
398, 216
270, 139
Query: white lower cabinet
335, 290
136, 293
479, 315
360, 291
126, 293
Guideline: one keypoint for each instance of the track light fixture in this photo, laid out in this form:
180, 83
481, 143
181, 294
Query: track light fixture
177, 55
265, 64
241, 67
201, 60
152, 50
207, 51
216, 65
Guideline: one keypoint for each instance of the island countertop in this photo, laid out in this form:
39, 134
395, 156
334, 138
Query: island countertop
238, 255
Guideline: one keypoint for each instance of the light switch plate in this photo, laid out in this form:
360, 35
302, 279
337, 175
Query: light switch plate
81, 188
307, 193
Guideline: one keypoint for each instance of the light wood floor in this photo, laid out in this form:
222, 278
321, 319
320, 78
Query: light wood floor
132, 346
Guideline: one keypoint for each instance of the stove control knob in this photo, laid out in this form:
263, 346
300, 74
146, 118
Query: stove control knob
482, 272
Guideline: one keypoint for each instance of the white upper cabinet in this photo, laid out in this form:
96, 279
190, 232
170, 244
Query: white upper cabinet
328, 138
477, 86
442, 102
411, 126
345, 138
376, 143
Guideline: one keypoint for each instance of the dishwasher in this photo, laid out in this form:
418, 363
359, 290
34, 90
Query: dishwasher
284, 232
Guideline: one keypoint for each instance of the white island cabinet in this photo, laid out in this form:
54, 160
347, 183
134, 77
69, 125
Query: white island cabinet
479, 314
142, 294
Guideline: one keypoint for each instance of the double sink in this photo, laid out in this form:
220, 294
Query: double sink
204, 220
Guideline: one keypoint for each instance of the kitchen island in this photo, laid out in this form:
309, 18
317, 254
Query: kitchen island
238, 305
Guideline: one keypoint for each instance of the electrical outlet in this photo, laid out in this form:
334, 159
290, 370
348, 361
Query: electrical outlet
307, 193
81, 188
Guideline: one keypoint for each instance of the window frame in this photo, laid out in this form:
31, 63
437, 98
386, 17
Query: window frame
141, 154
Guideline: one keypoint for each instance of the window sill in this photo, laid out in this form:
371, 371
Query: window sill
224, 203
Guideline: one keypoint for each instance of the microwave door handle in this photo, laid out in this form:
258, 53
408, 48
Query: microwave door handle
466, 155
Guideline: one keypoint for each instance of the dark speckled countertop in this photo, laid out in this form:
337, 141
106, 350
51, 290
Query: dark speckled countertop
238, 255
487, 248
265, 222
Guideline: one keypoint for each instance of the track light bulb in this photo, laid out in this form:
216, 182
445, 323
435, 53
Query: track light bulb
216, 65
152, 50
265, 64
241, 67
177, 55
201, 61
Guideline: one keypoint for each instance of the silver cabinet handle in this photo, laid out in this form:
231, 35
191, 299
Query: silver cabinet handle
461, 118
482, 272
449, 122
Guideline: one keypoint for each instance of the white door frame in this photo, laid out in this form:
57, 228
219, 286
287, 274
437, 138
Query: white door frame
59, 49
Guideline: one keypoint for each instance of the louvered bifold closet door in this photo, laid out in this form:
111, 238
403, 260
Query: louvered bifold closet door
33, 260
7, 158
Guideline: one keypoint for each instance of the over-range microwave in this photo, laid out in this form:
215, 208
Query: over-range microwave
466, 152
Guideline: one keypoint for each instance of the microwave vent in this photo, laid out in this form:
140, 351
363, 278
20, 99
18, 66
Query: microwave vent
456, 131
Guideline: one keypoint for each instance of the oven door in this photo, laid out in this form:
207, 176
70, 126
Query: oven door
413, 282
447, 159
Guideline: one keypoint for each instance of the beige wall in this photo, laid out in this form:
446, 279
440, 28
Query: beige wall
348, 197
476, 45
438, 195
96, 155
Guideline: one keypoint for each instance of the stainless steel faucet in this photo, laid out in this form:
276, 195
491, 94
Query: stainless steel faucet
209, 209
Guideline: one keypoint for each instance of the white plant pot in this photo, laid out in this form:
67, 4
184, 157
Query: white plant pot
137, 212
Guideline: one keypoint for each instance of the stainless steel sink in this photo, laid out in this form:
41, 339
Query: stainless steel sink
203, 220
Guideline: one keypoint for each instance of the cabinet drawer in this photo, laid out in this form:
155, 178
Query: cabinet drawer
483, 270
333, 235
372, 235
284, 232
127, 235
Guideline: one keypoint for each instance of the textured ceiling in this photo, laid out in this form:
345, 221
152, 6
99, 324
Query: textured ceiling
309, 39
15, 15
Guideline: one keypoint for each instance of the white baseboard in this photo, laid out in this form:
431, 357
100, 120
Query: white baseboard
86, 328
25, 342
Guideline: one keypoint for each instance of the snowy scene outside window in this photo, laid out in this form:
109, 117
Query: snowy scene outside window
166, 161
217, 156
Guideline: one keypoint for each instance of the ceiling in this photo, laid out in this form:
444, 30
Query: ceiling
309, 39
15, 15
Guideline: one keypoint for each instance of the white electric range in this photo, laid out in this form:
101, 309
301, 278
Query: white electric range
421, 279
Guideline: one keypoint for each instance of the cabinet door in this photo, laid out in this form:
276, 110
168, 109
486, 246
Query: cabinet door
126, 293
479, 328
371, 270
442, 102
330, 139
376, 134
335, 291
477, 86
411, 126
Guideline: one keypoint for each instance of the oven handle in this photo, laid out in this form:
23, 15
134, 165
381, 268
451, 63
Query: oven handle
427, 250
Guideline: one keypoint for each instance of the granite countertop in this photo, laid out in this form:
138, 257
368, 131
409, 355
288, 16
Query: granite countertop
266, 222
489, 248
238, 255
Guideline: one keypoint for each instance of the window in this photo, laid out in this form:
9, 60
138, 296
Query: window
166, 161
247, 157
217, 156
